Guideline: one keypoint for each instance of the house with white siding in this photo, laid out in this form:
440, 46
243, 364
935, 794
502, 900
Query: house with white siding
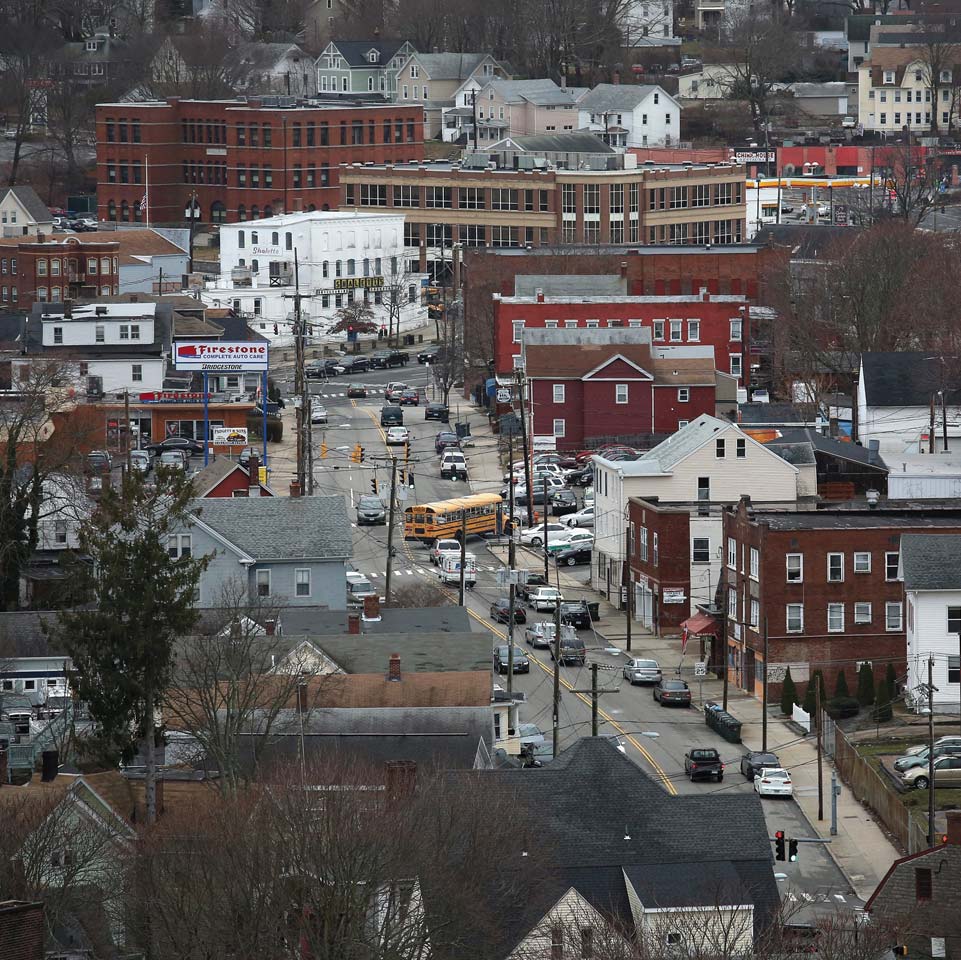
930, 566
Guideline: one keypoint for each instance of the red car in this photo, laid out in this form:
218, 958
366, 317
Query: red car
410, 398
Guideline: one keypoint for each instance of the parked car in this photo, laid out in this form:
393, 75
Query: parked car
675, 692
570, 539
947, 773
953, 740
99, 461
534, 580
581, 477
530, 735
500, 611
848, 123
357, 392
501, 660
541, 633
702, 763
442, 547
564, 460
544, 598
571, 648
773, 782
572, 556
534, 536
576, 615
453, 464
318, 369
396, 436
395, 390
428, 356
920, 759
318, 413
174, 458
177, 443
445, 439
391, 416
141, 460
437, 411
370, 510
410, 398
358, 587
520, 489
563, 502
245, 454
641, 670
756, 760
581, 518
349, 365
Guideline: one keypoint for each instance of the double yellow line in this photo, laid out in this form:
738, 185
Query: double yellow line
632, 740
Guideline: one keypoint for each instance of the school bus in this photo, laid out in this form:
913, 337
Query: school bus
445, 518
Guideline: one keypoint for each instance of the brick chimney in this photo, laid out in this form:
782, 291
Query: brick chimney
539, 294
393, 668
372, 608
353, 623
400, 779
253, 468
954, 827
270, 626
294, 488
301, 697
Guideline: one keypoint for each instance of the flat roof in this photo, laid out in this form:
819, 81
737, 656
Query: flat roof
619, 298
894, 514
648, 250
448, 166
312, 216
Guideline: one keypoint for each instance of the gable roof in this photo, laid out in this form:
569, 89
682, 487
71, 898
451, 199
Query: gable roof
542, 92
203, 481
905, 379
679, 446
355, 51
134, 244
422, 651
27, 197
280, 528
553, 143
930, 561
829, 446
454, 688
618, 97
450, 66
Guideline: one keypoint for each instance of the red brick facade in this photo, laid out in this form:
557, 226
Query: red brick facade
242, 160
22, 934
809, 578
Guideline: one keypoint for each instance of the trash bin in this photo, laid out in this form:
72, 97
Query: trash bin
594, 607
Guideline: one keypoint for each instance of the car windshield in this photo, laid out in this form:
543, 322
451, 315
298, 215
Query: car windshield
369, 502
763, 759
674, 685
448, 545
646, 664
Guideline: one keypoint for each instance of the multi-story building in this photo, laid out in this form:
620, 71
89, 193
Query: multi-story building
820, 589
343, 258
362, 67
713, 320
631, 115
240, 159
446, 203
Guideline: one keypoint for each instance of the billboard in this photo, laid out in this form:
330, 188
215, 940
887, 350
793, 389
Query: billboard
216, 356
229, 436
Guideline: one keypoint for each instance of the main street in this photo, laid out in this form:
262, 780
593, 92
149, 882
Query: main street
653, 736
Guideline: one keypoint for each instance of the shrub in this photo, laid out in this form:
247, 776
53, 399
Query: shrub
817, 678
882, 703
865, 685
841, 707
841, 686
788, 694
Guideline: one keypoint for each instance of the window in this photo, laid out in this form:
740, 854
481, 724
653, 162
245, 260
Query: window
136, 372
683, 394
737, 327
263, 583
693, 329
587, 943
302, 582
620, 392
701, 550
862, 612
891, 566
559, 393
954, 619
518, 326
557, 943
954, 668
559, 427
923, 883
737, 365
732, 603
755, 613
835, 618
658, 329
438, 197
703, 489
732, 553
179, 546
835, 567
719, 449
794, 617
676, 331
892, 616
755, 562
58, 335
740, 447
795, 567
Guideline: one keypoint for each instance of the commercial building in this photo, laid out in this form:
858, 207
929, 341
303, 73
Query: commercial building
342, 258
240, 159
470, 204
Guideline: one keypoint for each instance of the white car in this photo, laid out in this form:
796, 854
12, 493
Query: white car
544, 598
318, 413
571, 538
583, 518
589, 497
639, 670
774, 782
396, 435
442, 548
534, 536
540, 633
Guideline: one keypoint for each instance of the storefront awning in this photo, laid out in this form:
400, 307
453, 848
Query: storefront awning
700, 623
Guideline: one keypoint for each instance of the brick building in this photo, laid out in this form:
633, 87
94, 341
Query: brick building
825, 586
51, 271
705, 319
240, 159
592, 384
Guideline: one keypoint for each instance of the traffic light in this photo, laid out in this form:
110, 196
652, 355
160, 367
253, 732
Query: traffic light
357, 454
792, 851
373, 486
402, 478
779, 845
323, 451
407, 450
276, 330
361, 453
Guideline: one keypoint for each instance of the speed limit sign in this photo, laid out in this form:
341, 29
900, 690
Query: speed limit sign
700, 669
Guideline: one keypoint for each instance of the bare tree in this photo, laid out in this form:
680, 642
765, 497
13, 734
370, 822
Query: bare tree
448, 366
397, 294
941, 68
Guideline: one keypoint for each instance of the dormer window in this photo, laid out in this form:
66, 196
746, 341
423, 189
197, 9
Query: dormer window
488, 69
373, 56
889, 76
91, 46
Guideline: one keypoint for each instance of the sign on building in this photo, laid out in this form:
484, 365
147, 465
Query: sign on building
235, 356
229, 436
357, 283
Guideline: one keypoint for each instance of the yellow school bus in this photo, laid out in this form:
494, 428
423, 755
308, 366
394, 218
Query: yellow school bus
445, 518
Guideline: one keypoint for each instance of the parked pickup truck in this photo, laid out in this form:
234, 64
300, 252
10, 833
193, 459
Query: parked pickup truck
703, 763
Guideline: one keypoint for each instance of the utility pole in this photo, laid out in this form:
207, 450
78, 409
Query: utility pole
299, 379
817, 722
547, 574
126, 421
557, 663
527, 461
764, 697
512, 589
930, 751
473, 103
463, 553
511, 544
390, 529
596, 694
627, 586
944, 422
510, 635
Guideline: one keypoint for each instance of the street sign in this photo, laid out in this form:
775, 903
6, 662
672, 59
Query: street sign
700, 669
503, 395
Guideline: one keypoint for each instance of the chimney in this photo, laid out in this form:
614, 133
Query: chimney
301, 697
539, 294
67, 309
393, 668
372, 607
51, 764
294, 488
564, 81
253, 468
3, 768
954, 828
400, 779
616, 78
623, 269
353, 623
270, 627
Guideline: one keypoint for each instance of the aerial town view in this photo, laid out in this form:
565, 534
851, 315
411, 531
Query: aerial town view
480, 481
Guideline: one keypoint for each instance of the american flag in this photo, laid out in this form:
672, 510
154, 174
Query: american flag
143, 202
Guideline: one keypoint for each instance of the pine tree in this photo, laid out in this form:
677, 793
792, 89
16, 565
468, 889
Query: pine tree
882, 702
865, 685
122, 647
841, 686
891, 678
788, 694
817, 680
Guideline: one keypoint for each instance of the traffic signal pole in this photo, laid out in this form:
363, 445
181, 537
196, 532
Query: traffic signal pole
390, 529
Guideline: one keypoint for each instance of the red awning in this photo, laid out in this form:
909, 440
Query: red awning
700, 623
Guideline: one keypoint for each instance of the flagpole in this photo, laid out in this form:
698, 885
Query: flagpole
146, 177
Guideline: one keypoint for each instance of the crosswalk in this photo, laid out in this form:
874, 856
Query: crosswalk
417, 571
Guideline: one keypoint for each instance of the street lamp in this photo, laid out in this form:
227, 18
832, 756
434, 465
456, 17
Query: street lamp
191, 214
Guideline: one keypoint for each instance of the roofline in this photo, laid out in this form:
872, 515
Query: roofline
897, 863
217, 535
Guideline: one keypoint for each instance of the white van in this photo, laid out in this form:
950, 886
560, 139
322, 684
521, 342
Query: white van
450, 569
358, 587
453, 463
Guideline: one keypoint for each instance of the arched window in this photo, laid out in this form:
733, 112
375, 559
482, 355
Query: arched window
255, 213
312, 207
274, 237
112, 210
288, 241
124, 211
269, 212
137, 213
218, 212
241, 213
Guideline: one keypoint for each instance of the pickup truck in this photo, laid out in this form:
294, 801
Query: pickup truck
703, 762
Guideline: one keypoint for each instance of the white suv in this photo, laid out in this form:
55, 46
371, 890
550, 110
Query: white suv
442, 547
544, 598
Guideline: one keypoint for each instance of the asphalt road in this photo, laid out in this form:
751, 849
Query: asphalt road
653, 736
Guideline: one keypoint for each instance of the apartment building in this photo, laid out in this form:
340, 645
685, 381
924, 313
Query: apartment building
240, 159
475, 206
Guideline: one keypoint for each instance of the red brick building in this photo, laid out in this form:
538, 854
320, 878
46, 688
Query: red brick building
51, 271
824, 584
223, 477
586, 385
240, 159
706, 319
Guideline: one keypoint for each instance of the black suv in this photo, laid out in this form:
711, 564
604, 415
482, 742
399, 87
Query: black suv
378, 361
437, 411
354, 364
318, 369
562, 502
398, 358
577, 615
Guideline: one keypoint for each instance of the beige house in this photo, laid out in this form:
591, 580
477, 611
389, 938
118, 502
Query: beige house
23, 213
436, 80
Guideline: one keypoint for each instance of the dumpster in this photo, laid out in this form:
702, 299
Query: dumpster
595, 610
722, 722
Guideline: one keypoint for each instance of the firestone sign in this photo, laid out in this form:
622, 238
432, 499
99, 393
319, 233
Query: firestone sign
216, 356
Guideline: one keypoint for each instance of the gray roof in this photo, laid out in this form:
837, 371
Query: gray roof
858, 27
543, 92
931, 561
22, 634
830, 447
668, 453
355, 51
797, 453
281, 528
771, 413
617, 96
857, 515
320, 622
450, 66
554, 143
835, 88
807, 241
419, 652
907, 379
35, 207
571, 285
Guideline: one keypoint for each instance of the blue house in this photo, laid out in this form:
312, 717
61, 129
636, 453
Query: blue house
290, 550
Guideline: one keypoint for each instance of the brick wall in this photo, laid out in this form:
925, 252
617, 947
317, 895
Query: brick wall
21, 930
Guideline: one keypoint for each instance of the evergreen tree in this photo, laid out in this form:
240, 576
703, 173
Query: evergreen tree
788, 694
882, 702
816, 681
841, 686
865, 685
122, 647
891, 678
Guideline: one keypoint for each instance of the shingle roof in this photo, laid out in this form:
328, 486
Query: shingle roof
471, 688
22, 633
554, 143
668, 453
396, 622
830, 447
543, 92
617, 96
450, 66
355, 51
858, 28
931, 561
418, 651
135, 243
281, 528
905, 379
31, 202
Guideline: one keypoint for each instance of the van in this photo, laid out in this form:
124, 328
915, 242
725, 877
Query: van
453, 464
358, 587
391, 416
450, 569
